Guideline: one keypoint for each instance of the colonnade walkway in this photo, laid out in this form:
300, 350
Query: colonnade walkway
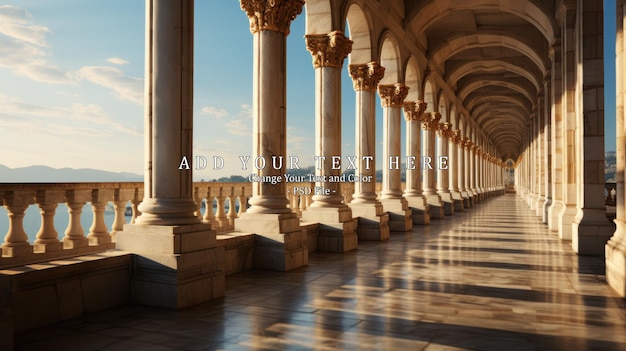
490, 278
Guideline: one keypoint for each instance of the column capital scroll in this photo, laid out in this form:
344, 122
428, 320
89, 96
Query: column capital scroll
393, 95
366, 76
455, 136
444, 129
273, 15
328, 50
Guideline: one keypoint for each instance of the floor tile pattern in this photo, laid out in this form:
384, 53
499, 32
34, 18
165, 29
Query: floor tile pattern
490, 278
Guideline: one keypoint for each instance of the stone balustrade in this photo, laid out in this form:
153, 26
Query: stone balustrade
226, 201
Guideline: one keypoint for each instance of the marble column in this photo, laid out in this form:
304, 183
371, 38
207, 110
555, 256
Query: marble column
474, 172
570, 95
547, 152
615, 249
373, 221
454, 166
467, 170
392, 97
442, 166
337, 231
280, 243
413, 112
461, 169
178, 263
430, 125
556, 146
590, 228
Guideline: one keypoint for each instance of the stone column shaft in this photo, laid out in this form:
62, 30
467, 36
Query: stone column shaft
392, 98
556, 147
590, 228
413, 111
443, 186
430, 125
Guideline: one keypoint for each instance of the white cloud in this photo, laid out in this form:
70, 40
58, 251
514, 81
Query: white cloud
214, 112
246, 111
47, 118
240, 127
117, 61
124, 87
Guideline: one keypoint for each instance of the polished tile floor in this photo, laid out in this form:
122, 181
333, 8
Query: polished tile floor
490, 278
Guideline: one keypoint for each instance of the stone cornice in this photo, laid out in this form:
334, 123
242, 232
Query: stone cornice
272, 15
393, 95
328, 50
366, 76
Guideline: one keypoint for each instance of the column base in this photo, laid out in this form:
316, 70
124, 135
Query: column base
615, 259
419, 209
400, 219
337, 228
448, 203
539, 206
546, 207
14, 251
457, 199
280, 243
566, 217
590, 232
467, 200
175, 266
435, 204
373, 222
553, 215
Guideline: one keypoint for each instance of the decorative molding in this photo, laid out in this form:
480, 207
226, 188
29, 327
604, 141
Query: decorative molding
272, 15
366, 76
328, 50
414, 110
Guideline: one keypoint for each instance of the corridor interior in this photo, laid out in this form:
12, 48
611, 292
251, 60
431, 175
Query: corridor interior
492, 278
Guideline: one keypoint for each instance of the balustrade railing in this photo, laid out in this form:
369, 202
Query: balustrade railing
218, 204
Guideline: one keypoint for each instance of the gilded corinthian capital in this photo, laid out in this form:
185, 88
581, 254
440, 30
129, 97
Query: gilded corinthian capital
455, 136
274, 15
328, 50
431, 121
393, 95
366, 76
444, 129
413, 110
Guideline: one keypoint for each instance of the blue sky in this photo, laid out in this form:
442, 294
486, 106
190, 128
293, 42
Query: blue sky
71, 81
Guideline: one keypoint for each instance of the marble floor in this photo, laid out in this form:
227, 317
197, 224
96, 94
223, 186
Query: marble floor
490, 278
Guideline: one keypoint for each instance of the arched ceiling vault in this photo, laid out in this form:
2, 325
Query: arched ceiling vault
493, 55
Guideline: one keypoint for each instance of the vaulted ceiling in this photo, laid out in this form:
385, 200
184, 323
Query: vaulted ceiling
494, 54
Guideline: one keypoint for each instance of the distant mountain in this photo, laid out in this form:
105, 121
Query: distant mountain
45, 174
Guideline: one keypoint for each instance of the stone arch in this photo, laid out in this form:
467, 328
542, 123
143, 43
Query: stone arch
460, 43
434, 11
359, 27
390, 59
319, 17
453, 117
412, 79
492, 66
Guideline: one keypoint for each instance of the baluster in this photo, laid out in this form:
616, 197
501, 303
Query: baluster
209, 215
120, 218
243, 204
47, 236
16, 241
121, 198
134, 203
232, 212
220, 214
98, 232
74, 234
